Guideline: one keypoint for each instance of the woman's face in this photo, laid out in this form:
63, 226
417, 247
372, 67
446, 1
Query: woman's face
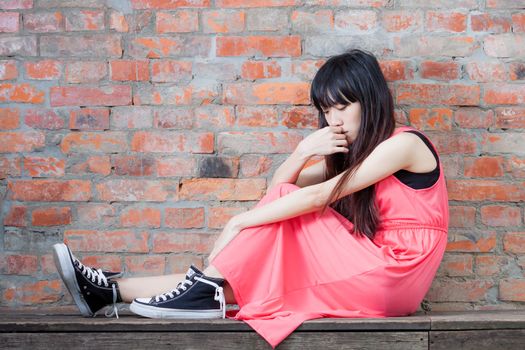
348, 117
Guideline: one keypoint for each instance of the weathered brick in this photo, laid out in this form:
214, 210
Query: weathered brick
87, 142
428, 45
141, 165
299, 117
9, 118
113, 95
214, 117
462, 216
31, 240
172, 141
500, 215
23, 141
472, 242
257, 116
118, 22
510, 117
50, 190
484, 166
89, 119
473, 117
456, 265
179, 242
451, 290
22, 93
8, 70
238, 142
219, 216
145, 265
31, 293
439, 70
266, 93
504, 45
260, 70
16, 4
182, 21
129, 70
159, 47
51, 216
503, 143
9, 22
176, 166
265, 46
449, 21
222, 189
184, 217
132, 117
223, 21
253, 165
16, 216
136, 190
485, 190
44, 166
489, 22
221, 167
162, 95
87, 45
267, 19
18, 46
99, 213
431, 119
179, 263
164, 71
489, 265
514, 242
394, 70
318, 21
90, 165
10, 167
168, 5
356, 20
512, 289
140, 217
447, 94
43, 118
85, 71
255, 3
402, 20
501, 93
85, 20
106, 241
43, 22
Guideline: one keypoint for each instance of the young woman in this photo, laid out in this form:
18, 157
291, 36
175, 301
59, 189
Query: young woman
359, 234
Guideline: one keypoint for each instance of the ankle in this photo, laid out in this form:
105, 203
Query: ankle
211, 271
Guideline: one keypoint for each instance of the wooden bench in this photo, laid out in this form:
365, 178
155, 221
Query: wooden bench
65, 329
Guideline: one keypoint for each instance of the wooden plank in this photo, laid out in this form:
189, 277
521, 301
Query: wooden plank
218, 340
493, 319
500, 339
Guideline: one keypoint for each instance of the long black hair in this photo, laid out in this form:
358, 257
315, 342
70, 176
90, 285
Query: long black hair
355, 76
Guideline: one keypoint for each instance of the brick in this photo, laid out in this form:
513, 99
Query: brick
9, 22
480, 242
140, 217
22, 93
136, 190
163, 95
260, 70
504, 45
428, 45
160, 47
179, 263
485, 190
51, 216
50, 190
452, 165
267, 19
447, 94
168, 5
514, 242
36, 166
8, 70
176, 166
43, 22
402, 20
106, 241
214, 117
223, 167
47, 265
131, 117
395, 70
87, 45
238, 142
318, 21
451, 290
257, 116
492, 23
219, 216
468, 4
23, 141
140, 265
222, 189
500, 215
43, 70
255, 3
178, 242
163, 71
182, 21
89, 119
455, 143
439, 70
266, 93
484, 166
16, 216
85, 20
40, 292
489, 265
114, 95
10, 167
486, 71
16, 4
184, 217
431, 119
516, 167
356, 20
141, 165
100, 213
106, 262
306, 69
447, 21
9, 118
503, 143
172, 141
462, 216
259, 46
501, 93
18, 46
43, 118
87, 142
512, 289
118, 22
518, 22
91, 165
223, 21
129, 70
517, 71
299, 117
174, 118
508, 118
473, 117
456, 265
504, 4
85, 72
255, 165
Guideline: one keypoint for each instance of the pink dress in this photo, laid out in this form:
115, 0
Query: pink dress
311, 266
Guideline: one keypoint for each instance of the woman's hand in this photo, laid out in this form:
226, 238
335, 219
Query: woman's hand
229, 232
328, 140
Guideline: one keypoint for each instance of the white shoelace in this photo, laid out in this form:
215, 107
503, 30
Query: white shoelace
98, 277
219, 293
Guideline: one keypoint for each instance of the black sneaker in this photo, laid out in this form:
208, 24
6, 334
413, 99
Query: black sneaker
198, 296
91, 289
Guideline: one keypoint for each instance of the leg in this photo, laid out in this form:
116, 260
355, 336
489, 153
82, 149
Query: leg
143, 287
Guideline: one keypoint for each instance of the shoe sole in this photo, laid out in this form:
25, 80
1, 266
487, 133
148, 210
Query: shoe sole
66, 271
155, 312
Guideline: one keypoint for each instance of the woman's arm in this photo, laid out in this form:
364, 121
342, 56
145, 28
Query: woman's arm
289, 170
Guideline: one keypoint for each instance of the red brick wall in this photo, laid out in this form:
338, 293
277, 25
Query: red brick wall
134, 129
